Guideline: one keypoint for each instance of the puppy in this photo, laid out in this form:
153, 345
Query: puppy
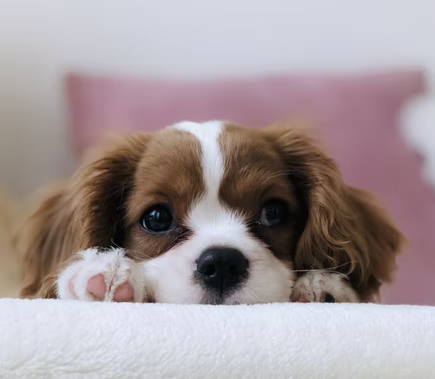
210, 213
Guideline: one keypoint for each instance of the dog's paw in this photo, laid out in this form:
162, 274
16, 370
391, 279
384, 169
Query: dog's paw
323, 287
102, 276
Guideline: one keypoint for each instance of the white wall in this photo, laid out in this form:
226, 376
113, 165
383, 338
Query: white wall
40, 40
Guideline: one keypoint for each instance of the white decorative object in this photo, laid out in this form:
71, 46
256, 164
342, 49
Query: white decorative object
419, 129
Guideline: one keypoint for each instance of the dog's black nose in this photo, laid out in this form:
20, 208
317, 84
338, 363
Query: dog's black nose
221, 268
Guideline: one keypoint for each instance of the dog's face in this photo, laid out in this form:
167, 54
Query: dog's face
216, 216
220, 214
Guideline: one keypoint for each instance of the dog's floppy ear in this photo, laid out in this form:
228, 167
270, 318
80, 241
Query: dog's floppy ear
86, 211
344, 228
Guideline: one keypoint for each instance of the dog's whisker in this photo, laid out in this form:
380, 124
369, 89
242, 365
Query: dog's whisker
331, 269
114, 244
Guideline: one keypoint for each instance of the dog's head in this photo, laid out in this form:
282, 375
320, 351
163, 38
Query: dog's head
220, 213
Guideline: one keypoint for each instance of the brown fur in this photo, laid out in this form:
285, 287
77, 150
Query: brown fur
345, 229
102, 203
255, 173
333, 225
77, 216
170, 173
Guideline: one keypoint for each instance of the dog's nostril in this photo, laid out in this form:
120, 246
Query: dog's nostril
208, 269
206, 265
221, 268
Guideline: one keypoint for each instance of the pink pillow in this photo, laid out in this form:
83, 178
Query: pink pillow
357, 117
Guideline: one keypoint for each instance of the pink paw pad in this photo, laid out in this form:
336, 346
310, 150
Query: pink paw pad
97, 288
124, 293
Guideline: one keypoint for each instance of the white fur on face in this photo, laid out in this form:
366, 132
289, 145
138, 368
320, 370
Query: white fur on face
171, 275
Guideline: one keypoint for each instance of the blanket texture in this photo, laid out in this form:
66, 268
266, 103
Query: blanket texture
57, 339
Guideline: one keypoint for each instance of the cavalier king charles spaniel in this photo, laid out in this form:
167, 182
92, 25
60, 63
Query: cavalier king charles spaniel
210, 213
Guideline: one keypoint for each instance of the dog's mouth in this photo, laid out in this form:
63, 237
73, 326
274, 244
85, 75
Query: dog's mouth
218, 300
212, 299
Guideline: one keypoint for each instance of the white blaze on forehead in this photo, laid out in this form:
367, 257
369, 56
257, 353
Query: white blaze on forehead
208, 134
208, 209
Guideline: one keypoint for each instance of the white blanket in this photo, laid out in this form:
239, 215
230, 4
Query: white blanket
56, 339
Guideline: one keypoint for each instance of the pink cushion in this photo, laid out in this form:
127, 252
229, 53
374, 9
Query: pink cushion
356, 115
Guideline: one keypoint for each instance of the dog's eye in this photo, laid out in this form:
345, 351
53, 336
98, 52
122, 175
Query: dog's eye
274, 212
157, 219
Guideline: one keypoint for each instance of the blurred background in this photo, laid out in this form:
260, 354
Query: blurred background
363, 72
